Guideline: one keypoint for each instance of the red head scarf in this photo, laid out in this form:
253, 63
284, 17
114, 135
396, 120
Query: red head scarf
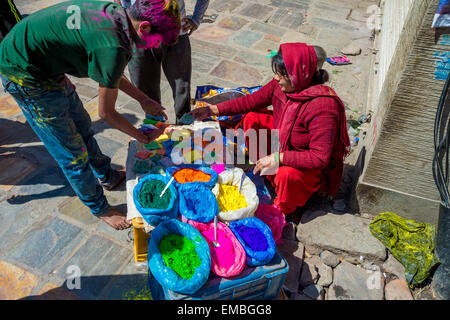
301, 64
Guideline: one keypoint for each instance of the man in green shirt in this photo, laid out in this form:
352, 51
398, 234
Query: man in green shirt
85, 39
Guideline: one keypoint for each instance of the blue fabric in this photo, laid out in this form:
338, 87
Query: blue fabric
166, 277
197, 202
442, 16
155, 216
210, 184
64, 126
255, 258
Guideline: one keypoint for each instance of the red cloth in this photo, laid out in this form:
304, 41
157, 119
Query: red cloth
293, 187
311, 120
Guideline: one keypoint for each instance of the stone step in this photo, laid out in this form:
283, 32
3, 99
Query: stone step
343, 234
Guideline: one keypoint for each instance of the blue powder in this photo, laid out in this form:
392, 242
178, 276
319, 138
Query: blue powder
196, 201
253, 238
199, 203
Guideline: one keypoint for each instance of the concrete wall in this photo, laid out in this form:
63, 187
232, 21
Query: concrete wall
404, 93
394, 15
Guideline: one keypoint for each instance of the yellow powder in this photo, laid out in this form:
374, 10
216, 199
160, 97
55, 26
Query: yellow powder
230, 199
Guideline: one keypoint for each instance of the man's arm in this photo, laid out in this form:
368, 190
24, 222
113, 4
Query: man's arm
199, 11
191, 23
106, 109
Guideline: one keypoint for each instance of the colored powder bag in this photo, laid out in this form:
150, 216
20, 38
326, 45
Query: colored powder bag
155, 216
233, 177
250, 242
227, 260
171, 171
197, 202
168, 278
274, 218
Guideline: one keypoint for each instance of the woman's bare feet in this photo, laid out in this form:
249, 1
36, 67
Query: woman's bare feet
116, 219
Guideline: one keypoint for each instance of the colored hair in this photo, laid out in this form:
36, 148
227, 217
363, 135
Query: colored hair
163, 15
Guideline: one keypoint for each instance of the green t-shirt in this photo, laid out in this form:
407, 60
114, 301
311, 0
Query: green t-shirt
81, 38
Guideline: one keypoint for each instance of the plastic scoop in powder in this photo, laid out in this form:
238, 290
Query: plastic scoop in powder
167, 185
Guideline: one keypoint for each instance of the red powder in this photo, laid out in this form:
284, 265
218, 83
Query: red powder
224, 255
191, 175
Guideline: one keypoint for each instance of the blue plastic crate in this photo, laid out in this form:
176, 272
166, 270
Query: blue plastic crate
260, 283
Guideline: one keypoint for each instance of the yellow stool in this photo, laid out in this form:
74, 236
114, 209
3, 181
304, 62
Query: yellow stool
140, 240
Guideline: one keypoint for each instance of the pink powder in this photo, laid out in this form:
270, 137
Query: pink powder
149, 41
219, 168
228, 260
224, 255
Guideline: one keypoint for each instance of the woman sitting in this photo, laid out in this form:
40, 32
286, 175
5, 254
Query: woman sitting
311, 121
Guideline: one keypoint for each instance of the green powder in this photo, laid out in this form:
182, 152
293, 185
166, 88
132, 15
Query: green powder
141, 166
149, 195
179, 254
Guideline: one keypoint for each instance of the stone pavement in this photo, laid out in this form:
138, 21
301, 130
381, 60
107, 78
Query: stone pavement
45, 228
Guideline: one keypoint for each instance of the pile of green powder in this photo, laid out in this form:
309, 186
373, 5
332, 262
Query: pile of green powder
149, 195
179, 254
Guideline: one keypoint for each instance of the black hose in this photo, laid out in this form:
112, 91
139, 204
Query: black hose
442, 147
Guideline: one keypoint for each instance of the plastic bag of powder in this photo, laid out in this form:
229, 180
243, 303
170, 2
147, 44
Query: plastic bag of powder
156, 216
257, 240
165, 275
228, 259
274, 218
233, 177
197, 202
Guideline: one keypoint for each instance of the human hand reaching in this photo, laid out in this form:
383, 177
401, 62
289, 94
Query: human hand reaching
188, 26
205, 112
268, 165
146, 138
153, 108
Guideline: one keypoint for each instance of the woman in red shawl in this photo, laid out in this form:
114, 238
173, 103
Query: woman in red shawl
311, 122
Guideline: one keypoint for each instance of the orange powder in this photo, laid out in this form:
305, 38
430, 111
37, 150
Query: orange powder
191, 175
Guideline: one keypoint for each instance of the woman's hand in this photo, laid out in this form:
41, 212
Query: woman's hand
203, 113
153, 108
268, 165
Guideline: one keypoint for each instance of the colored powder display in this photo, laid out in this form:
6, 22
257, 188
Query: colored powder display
224, 255
149, 195
191, 175
253, 238
152, 145
179, 254
230, 199
141, 166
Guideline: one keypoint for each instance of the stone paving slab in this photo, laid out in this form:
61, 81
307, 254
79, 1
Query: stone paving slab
47, 244
354, 283
340, 233
15, 282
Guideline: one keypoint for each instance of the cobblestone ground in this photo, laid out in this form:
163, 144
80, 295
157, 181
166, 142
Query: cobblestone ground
45, 228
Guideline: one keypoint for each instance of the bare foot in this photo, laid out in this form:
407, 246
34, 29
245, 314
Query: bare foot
116, 219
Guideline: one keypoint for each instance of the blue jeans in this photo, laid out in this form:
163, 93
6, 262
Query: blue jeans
64, 126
